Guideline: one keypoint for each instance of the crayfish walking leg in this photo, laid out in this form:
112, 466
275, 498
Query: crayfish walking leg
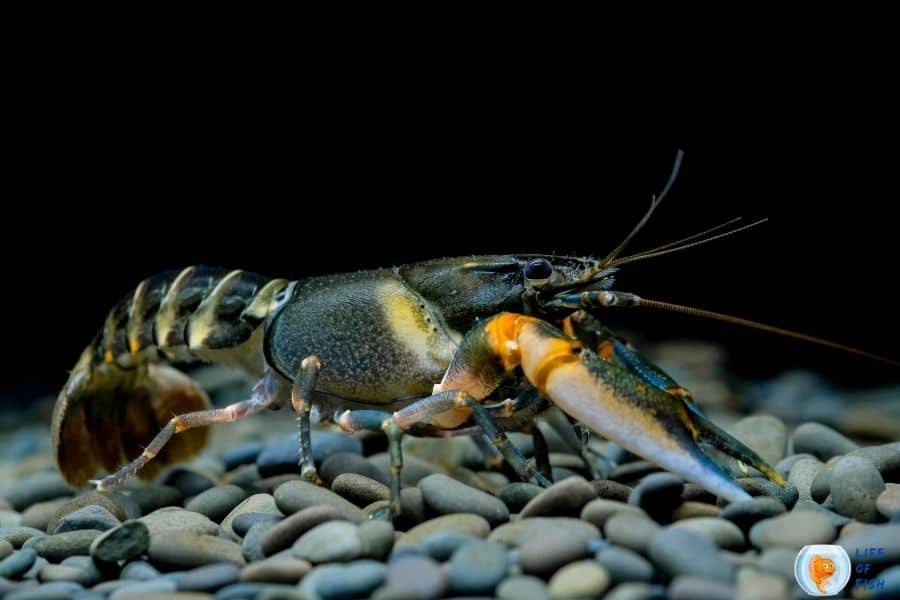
301, 401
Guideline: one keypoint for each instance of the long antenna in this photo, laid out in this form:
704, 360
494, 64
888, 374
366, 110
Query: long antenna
654, 202
684, 239
708, 314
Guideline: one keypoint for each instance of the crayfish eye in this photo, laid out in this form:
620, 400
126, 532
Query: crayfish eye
537, 272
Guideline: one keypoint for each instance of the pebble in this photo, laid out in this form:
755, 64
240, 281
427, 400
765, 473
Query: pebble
18, 563
600, 510
465, 523
721, 532
217, 502
691, 587
414, 468
242, 454
757, 486
286, 532
519, 532
278, 569
631, 531
172, 518
802, 475
691, 509
191, 549
153, 497
189, 481
257, 503
747, 513
477, 567
623, 564
353, 580
251, 545
855, 486
636, 591
680, 552
206, 578
35, 488
57, 590
89, 517
820, 488
885, 458
348, 462
765, 434
522, 587
376, 539
583, 579
39, 514
837, 520
441, 546
444, 495
242, 523
139, 570
412, 577
144, 589
517, 494
335, 541
125, 542
779, 561
888, 501
793, 530
359, 489
58, 546
81, 576
752, 584
6, 548
658, 494
565, 498
279, 455
293, 496
611, 490
821, 441
545, 554
784, 465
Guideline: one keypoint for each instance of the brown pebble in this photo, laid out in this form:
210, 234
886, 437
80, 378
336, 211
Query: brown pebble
689, 510
611, 490
279, 569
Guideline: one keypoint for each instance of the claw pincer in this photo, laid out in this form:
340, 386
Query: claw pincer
604, 395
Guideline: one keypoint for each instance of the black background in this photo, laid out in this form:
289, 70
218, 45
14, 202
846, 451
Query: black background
104, 189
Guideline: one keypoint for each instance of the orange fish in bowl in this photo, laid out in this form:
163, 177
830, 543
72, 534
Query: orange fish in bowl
820, 569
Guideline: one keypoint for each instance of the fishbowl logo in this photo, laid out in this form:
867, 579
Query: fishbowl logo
822, 570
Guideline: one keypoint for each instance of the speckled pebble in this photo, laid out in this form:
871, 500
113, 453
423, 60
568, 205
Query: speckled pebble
88, 517
348, 462
286, 532
191, 549
517, 494
128, 540
359, 489
886, 459
611, 490
765, 434
793, 530
600, 510
522, 587
802, 475
242, 523
749, 512
477, 567
294, 496
6, 548
757, 486
855, 486
57, 547
584, 579
257, 503
217, 502
623, 564
821, 441
681, 552
565, 498
445, 495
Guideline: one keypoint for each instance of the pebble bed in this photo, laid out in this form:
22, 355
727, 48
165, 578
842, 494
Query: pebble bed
238, 522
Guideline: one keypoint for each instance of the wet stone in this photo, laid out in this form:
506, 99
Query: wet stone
611, 490
153, 497
251, 545
855, 486
565, 498
191, 549
885, 458
294, 496
888, 502
821, 441
785, 465
681, 552
721, 532
217, 502
18, 563
600, 510
765, 434
658, 494
348, 462
277, 569
623, 564
89, 517
242, 523
820, 488
444, 495
57, 547
520, 532
335, 541
353, 580
793, 530
206, 578
412, 577
585, 579
442, 545
359, 489
802, 475
749, 512
286, 532
545, 554
125, 542
517, 494
631, 531
465, 523
477, 567
258, 503
522, 587
280, 454
376, 539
